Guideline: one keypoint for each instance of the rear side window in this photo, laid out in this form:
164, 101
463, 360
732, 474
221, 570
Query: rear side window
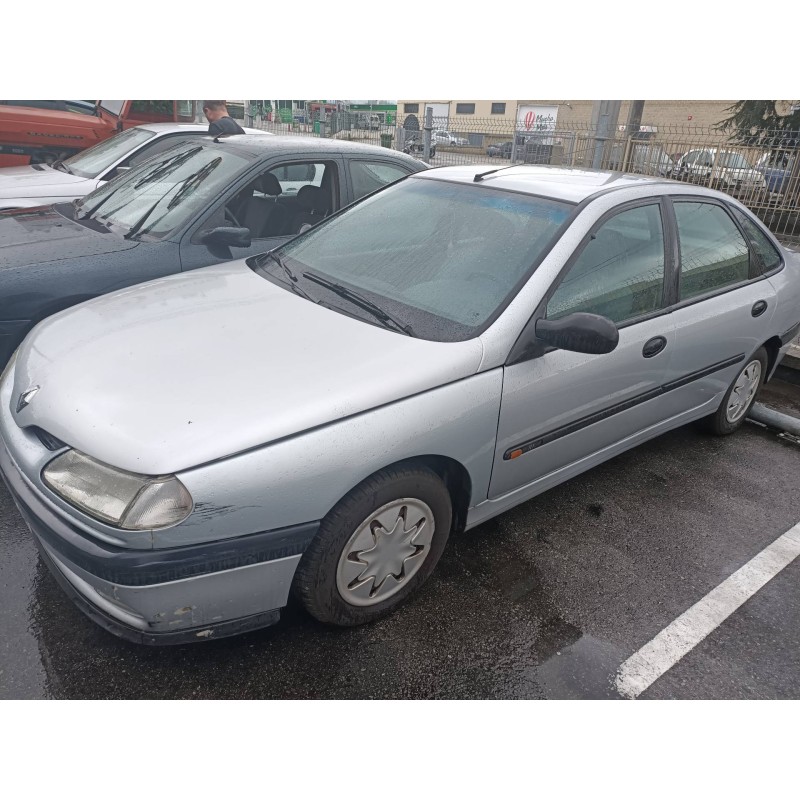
620, 272
368, 176
767, 257
713, 252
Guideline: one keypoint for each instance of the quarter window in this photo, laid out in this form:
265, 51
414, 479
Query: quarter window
620, 272
767, 257
713, 252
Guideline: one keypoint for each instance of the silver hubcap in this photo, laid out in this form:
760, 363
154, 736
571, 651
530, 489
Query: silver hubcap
385, 552
744, 390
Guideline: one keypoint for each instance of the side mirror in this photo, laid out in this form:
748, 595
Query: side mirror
231, 237
579, 332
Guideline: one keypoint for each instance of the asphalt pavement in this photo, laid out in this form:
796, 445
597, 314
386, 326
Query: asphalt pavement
545, 601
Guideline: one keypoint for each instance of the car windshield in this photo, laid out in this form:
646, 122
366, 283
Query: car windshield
92, 162
440, 258
163, 193
733, 161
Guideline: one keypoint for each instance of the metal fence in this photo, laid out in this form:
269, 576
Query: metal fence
764, 175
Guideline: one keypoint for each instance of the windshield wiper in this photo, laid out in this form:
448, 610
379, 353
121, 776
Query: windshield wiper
60, 165
362, 302
294, 286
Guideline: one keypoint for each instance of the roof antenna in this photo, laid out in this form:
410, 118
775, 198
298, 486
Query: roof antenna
481, 175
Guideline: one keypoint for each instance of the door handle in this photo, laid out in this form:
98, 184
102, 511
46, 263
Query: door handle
759, 307
652, 347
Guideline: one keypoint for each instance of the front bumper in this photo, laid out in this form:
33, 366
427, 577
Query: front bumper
170, 595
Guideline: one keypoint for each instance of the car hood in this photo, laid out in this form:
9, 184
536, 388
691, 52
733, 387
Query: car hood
38, 235
39, 181
192, 368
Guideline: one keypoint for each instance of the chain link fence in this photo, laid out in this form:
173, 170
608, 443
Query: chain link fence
764, 175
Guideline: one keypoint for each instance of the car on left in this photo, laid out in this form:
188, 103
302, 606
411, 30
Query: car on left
42, 184
190, 206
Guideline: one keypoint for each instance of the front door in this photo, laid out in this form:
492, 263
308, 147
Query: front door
561, 407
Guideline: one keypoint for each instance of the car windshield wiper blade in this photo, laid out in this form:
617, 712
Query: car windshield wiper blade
136, 227
359, 300
294, 286
60, 165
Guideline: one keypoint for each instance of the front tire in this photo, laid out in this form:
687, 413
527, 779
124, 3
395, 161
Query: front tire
375, 547
740, 396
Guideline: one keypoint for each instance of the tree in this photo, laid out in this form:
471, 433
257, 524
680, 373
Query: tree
758, 123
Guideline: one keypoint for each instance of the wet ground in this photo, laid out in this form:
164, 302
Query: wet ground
545, 601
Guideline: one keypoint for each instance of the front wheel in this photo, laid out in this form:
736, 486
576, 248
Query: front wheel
376, 547
740, 396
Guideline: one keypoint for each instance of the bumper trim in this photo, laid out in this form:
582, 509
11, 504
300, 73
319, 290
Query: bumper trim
149, 567
202, 633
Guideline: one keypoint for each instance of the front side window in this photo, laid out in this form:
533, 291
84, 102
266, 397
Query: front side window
368, 176
713, 252
440, 257
92, 162
620, 272
165, 192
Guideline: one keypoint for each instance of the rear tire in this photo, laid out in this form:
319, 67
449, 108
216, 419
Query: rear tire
354, 571
739, 398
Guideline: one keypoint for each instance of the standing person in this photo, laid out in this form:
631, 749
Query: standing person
219, 120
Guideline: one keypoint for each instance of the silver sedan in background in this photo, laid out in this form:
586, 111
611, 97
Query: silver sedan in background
321, 417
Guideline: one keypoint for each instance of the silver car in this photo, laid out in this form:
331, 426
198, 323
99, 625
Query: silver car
320, 418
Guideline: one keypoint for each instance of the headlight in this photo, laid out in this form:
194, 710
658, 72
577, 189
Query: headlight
123, 499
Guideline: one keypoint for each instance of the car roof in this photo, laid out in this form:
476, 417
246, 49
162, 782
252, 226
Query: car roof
570, 184
192, 127
259, 145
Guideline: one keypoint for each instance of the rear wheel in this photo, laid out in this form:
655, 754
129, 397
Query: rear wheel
740, 396
376, 547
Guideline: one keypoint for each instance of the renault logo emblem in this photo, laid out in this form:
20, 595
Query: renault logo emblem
26, 397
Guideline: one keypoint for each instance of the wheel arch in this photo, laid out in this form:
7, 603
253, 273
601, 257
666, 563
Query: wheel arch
772, 346
453, 474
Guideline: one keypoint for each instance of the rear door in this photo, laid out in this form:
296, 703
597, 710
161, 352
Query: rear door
725, 305
560, 407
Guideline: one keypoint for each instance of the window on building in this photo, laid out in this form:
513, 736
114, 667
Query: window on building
411, 108
498, 108
465, 108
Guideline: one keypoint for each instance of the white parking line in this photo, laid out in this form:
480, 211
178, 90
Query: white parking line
665, 649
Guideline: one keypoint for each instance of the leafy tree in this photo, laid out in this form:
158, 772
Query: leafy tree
759, 123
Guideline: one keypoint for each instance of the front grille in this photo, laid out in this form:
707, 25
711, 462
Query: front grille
48, 440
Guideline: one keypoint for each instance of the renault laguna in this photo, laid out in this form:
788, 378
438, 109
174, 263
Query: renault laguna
320, 418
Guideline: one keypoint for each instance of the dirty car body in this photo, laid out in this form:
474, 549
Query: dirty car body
178, 449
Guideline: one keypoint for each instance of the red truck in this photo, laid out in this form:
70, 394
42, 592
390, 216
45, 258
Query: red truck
36, 135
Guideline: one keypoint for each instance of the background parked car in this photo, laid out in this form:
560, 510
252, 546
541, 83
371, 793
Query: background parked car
448, 139
644, 158
184, 208
42, 136
725, 169
777, 170
79, 106
500, 150
43, 184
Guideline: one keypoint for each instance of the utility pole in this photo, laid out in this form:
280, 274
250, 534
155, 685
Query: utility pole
605, 114
428, 127
632, 127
